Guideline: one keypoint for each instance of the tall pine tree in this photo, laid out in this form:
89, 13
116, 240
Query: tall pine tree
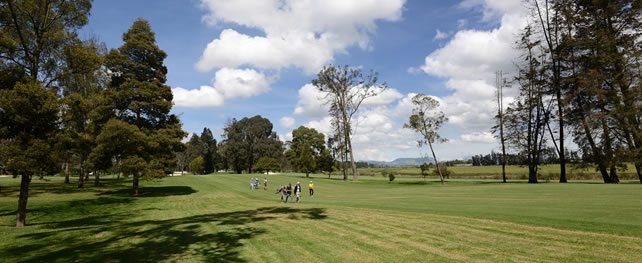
142, 102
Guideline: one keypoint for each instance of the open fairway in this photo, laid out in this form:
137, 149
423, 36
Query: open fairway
218, 218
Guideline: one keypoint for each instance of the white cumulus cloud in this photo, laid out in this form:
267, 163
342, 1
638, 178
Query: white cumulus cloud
303, 34
478, 137
311, 102
234, 83
228, 83
205, 96
469, 60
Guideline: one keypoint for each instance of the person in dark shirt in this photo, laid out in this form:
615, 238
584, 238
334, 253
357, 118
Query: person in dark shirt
288, 192
297, 192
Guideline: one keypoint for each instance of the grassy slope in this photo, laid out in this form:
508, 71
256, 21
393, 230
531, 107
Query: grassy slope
217, 218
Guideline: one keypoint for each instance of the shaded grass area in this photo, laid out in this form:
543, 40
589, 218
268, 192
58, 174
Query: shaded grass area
216, 218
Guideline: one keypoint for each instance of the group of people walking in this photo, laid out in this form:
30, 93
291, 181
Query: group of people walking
287, 191
255, 183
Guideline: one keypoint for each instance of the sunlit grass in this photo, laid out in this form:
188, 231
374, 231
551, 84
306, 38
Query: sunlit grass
217, 218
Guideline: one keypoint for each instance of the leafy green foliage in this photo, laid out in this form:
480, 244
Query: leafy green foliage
247, 140
306, 148
424, 167
34, 35
325, 162
30, 120
196, 166
267, 164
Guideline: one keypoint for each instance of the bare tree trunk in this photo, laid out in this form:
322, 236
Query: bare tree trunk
346, 131
21, 217
135, 184
614, 178
596, 152
499, 81
67, 171
441, 176
532, 174
81, 177
96, 178
638, 169
562, 153
355, 173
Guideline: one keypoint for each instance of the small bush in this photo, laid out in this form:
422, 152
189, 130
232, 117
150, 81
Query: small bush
391, 177
444, 171
196, 165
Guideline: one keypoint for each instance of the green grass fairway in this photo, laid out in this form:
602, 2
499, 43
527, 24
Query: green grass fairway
217, 218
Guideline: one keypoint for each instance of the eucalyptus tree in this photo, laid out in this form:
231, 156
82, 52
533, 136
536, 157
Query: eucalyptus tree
426, 119
345, 89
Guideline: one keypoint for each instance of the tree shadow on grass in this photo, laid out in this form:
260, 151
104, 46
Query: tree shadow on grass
215, 237
38, 187
158, 191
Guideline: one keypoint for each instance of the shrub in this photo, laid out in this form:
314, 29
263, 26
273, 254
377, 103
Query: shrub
391, 177
196, 166
444, 171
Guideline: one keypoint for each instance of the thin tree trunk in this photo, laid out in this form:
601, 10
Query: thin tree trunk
81, 178
562, 153
441, 176
67, 171
21, 217
532, 174
614, 178
638, 169
355, 173
504, 168
96, 178
604, 172
596, 153
135, 184
348, 142
499, 81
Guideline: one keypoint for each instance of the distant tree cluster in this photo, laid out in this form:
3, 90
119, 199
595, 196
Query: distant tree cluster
201, 155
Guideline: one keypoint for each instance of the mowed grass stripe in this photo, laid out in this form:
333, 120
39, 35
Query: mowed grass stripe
487, 232
323, 244
402, 237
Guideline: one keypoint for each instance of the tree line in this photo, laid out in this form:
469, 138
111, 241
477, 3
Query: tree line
250, 145
578, 77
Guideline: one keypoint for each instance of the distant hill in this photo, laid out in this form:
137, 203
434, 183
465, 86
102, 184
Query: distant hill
402, 162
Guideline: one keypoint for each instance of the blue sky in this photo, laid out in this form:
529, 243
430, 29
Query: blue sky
397, 38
